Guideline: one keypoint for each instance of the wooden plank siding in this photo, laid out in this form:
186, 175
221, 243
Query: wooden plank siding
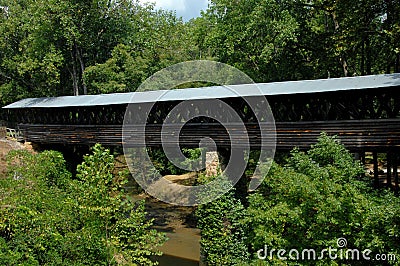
357, 135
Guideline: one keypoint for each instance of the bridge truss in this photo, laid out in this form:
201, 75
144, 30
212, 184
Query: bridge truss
364, 112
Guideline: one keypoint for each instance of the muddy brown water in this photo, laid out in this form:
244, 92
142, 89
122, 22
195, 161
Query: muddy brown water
181, 249
183, 245
167, 260
178, 223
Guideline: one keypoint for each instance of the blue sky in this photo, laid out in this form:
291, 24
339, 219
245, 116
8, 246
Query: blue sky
186, 9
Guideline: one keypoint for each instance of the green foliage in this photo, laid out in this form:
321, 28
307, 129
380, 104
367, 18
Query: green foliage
63, 47
166, 167
35, 219
292, 40
48, 166
47, 218
309, 203
316, 199
126, 232
252, 36
47, 46
222, 233
162, 40
328, 158
123, 72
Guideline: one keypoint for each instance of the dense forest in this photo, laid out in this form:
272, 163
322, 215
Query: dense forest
73, 47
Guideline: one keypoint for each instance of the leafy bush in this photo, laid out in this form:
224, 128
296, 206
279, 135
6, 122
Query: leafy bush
47, 218
166, 167
309, 203
35, 217
222, 235
316, 199
48, 166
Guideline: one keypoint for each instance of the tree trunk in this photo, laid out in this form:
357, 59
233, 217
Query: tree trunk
343, 61
82, 65
342, 58
74, 74
362, 65
392, 14
368, 56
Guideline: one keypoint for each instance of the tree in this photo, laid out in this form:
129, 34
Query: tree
27, 62
164, 41
49, 218
49, 44
345, 38
252, 36
222, 233
292, 40
316, 199
308, 204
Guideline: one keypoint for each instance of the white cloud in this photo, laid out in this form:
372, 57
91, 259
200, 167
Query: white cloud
171, 4
184, 8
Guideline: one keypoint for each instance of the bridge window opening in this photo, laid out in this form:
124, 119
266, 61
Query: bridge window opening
362, 111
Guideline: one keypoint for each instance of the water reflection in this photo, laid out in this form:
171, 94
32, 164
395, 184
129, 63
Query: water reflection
168, 260
178, 223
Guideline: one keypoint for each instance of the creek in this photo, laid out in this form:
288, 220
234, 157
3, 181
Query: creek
178, 223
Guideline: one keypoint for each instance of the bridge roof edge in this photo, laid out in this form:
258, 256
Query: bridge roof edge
215, 92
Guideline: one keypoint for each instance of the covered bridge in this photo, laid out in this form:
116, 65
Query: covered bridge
363, 111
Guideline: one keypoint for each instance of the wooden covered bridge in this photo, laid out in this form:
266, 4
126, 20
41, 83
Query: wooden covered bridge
363, 111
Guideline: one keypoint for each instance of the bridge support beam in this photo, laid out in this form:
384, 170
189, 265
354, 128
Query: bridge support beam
389, 170
241, 187
213, 166
395, 173
376, 174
